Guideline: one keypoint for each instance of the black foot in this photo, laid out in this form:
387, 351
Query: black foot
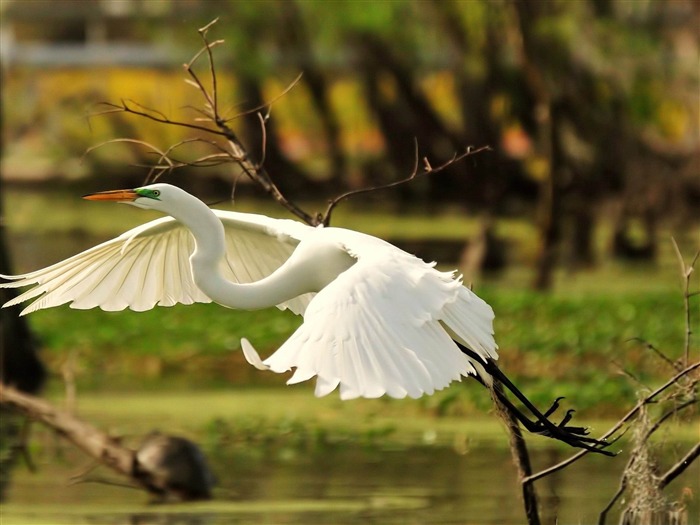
572, 435
542, 425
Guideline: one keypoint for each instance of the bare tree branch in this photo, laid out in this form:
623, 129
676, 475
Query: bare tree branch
618, 493
93, 442
267, 105
428, 170
108, 451
154, 115
686, 272
678, 469
236, 151
633, 457
255, 171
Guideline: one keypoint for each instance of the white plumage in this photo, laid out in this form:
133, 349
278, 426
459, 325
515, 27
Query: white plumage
377, 320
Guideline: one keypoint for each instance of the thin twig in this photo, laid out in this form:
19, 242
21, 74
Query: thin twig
670, 413
686, 272
212, 69
676, 365
678, 469
619, 492
267, 105
156, 116
255, 171
631, 375
428, 170
263, 131
77, 480
634, 455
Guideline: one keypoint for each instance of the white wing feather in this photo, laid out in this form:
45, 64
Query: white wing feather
149, 265
385, 326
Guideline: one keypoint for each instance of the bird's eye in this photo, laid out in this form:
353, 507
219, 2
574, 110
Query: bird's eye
156, 193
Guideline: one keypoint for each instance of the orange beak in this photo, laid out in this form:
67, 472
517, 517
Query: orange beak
112, 195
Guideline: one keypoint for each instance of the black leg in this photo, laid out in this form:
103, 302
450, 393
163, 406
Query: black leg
574, 436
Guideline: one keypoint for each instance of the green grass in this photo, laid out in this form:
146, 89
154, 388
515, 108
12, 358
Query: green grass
572, 345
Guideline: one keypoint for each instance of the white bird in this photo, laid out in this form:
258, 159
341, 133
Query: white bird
377, 320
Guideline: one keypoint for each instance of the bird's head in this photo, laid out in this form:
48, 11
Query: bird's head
158, 197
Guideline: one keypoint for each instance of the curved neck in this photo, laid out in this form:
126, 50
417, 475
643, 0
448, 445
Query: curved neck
210, 250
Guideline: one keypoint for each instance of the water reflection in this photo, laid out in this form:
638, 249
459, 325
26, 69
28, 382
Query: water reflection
345, 484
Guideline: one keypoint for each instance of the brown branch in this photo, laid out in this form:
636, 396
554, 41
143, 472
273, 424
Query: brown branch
521, 457
667, 415
90, 440
267, 105
620, 491
160, 478
428, 170
676, 365
255, 171
686, 272
678, 469
155, 116
648, 399
634, 455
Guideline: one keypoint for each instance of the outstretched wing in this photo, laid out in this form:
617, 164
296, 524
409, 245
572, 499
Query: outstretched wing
149, 265
385, 326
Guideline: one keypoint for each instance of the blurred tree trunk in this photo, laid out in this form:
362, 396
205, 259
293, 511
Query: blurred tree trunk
547, 143
19, 363
404, 114
485, 252
289, 177
397, 135
549, 204
295, 36
583, 228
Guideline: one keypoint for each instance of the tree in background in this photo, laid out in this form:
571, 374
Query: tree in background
585, 103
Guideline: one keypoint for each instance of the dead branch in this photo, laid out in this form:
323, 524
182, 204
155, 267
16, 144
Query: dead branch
236, 151
427, 170
678, 469
152, 114
676, 365
521, 457
682, 394
686, 272
154, 476
650, 398
89, 439
634, 455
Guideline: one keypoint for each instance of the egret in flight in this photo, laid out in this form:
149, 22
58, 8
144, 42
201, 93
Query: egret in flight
377, 320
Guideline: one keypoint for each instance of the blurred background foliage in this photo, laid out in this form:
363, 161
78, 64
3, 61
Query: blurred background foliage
591, 109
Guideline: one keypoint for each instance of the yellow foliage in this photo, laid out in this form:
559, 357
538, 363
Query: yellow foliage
57, 110
672, 119
440, 89
537, 167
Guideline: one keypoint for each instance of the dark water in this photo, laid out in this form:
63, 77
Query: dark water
340, 484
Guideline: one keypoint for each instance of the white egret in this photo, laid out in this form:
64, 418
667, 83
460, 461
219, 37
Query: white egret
377, 320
